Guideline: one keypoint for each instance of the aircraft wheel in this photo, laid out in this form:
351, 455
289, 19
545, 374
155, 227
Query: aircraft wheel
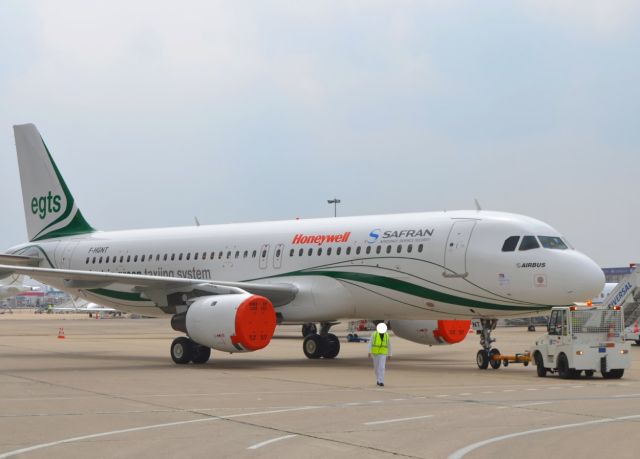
330, 346
182, 350
495, 364
312, 346
563, 367
613, 374
540, 369
588, 373
482, 359
201, 354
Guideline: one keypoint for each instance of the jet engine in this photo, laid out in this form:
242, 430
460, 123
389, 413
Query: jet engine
431, 332
231, 323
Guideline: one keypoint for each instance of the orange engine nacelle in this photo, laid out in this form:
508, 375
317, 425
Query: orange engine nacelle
431, 332
231, 323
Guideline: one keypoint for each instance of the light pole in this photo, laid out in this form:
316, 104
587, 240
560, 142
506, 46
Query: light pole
335, 202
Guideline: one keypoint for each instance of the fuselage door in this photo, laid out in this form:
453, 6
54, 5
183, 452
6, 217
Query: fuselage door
264, 256
277, 258
455, 253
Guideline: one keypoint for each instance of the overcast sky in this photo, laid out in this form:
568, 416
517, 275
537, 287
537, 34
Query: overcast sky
157, 112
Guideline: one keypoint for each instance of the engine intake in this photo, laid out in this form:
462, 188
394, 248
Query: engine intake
431, 332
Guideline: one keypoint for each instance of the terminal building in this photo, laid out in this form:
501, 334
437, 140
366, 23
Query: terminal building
616, 274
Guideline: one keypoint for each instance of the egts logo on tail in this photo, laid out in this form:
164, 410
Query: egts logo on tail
44, 205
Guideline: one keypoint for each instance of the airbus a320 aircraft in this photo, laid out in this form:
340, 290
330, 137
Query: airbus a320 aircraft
228, 285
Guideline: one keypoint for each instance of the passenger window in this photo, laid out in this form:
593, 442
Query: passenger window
165, 257
379, 249
107, 260
135, 259
180, 257
254, 253
238, 254
320, 251
310, 252
358, 250
552, 242
339, 249
196, 255
220, 255
368, 250
94, 261
121, 258
510, 243
300, 252
128, 258
87, 262
204, 255
409, 248
246, 254
158, 257
100, 261
348, 250
389, 249
420, 247
329, 251
399, 250
291, 252
173, 256
264, 254
529, 243
188, 256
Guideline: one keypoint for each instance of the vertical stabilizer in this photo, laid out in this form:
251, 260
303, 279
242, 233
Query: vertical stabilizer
49, 209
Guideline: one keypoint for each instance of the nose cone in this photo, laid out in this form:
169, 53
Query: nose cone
585, 280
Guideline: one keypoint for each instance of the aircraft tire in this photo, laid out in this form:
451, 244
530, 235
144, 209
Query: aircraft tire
201, 354
495, 364
312, 346
540, 369
588, 373
182, 350
482, 359
330, 346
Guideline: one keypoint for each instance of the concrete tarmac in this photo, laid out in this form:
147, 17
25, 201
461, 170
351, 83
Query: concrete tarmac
110, 389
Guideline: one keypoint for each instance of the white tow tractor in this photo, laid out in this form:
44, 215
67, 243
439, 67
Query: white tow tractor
582, 338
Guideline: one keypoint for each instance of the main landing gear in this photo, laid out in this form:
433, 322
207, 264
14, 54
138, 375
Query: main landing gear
185, 350
484, 357
325, 344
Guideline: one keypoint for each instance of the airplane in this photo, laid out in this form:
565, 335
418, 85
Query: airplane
84, 306
14, 286
227, 286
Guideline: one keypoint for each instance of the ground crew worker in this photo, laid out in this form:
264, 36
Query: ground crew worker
380, 350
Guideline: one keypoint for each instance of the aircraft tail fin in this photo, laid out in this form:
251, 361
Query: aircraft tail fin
49, 208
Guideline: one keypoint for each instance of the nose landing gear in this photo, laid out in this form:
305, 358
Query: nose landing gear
485, 356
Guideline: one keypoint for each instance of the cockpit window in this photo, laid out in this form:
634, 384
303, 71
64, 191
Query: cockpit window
510, 243
552, 242
529, 242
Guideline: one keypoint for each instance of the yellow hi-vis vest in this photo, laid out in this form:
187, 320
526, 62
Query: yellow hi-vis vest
379, 344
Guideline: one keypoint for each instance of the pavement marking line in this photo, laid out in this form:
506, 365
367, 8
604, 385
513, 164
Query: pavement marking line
142, 428
273, 440
387, 421
530, 404
459, 454
628, 395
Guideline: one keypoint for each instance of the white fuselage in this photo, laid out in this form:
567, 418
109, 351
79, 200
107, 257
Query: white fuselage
439, 265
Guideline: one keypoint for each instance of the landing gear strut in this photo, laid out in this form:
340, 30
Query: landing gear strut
185, 350
325, 344
484, 357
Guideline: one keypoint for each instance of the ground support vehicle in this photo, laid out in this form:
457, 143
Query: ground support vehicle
583, 339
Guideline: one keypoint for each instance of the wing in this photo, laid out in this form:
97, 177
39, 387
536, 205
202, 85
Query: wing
160, 290
18, 260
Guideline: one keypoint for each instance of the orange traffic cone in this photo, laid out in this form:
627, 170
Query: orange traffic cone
61, 333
